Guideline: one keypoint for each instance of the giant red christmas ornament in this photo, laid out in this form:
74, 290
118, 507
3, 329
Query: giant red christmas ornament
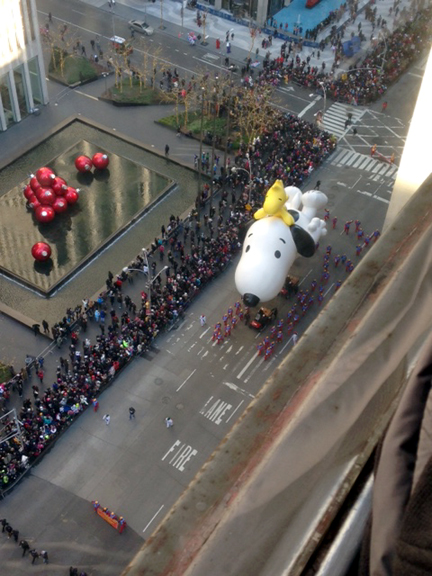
41, 251
59, 186
45, 176
34, 183
34, 203
100, 160
83, 164
60, 205
44, 214
46, 196
28, 192
71, 195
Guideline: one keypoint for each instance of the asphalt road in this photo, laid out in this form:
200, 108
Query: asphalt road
139, 467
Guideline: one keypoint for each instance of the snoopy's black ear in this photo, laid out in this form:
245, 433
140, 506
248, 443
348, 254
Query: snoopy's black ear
243, 228
303, 241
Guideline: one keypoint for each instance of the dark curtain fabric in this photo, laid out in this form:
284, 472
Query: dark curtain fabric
398, 538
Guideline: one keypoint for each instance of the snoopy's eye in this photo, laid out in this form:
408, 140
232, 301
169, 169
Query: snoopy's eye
247, 248
277, 254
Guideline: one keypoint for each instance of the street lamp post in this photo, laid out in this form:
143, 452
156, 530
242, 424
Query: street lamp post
325, 97
146, 271
227, 130
235, 169
215, 105
201, 140
381, 36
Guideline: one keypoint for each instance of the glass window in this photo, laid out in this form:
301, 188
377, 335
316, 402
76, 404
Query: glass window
35, 82
6, 99
21, 91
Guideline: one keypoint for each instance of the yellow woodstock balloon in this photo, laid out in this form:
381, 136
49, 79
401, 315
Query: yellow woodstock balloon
274, 204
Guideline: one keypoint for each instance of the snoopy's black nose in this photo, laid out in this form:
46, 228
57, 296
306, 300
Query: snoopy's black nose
250, 300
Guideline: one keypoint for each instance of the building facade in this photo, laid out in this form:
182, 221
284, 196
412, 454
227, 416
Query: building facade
22, 73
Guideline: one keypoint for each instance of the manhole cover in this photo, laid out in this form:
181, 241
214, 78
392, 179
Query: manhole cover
166, 400
158, 381
179, 406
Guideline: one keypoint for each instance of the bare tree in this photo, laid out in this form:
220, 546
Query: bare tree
254, 112
63, 45
253, 31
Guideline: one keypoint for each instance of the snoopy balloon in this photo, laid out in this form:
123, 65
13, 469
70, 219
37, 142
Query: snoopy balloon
271, 246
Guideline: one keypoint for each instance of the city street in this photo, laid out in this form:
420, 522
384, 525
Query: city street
139, 467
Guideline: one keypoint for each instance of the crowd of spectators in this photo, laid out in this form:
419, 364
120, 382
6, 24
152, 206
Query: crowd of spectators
290, 152
189, 254
367, 81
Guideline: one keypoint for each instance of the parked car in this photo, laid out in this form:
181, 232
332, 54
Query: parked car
121, 46
263, 317
141, 27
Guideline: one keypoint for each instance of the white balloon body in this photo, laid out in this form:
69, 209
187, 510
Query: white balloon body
268, 254
269, 249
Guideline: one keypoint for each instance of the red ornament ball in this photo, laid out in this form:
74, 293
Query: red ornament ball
41, 251
44, 214
34, 203
45, 176
60, 205
71, 195
59, 186
28, 192
34, 183
46, 196
100, 160
83, 164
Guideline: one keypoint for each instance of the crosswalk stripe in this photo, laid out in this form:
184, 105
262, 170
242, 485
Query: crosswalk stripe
358, 161
384, 170
367, 161
336, 115
345, 156
363, 162
351, 160
339, 156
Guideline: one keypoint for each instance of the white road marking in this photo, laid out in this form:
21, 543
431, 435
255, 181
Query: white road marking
238, 389
232, 413
240, 374
181, 385
154, 517
239, 350
86, 95
309, 106
205, 332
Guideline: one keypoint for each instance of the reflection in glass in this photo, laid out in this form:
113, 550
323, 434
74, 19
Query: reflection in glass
21, 91
33, 67
6, 99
